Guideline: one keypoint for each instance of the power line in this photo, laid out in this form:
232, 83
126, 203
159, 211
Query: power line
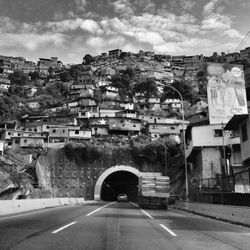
243, 41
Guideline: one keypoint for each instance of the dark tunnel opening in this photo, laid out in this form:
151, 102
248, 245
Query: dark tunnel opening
120, 182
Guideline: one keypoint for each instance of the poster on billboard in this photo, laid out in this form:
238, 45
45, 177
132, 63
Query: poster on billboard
226, 92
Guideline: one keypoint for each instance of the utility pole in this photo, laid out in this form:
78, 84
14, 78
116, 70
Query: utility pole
166, 159
224, 168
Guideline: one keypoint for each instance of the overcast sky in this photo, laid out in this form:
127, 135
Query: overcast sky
69, 29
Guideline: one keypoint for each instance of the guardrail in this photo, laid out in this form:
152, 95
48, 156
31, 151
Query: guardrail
18, 206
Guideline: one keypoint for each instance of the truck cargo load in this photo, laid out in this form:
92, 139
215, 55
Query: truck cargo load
154, 190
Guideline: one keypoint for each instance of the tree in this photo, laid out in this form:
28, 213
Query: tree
147, 88
75, 71
19, 78
65, 76
34, 75
56, 90
123, 82
18, 91
123, 55
87, 59
185, 89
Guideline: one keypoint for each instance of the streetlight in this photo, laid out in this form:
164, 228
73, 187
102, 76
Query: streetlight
184, 136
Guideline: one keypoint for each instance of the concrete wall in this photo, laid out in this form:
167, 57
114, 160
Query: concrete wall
211, 160
207, 138
237, 214
17, 206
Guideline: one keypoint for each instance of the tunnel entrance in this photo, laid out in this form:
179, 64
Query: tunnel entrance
120, 182
115, 175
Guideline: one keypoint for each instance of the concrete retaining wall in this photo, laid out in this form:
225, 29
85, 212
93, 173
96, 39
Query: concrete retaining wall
17, 206
236, 214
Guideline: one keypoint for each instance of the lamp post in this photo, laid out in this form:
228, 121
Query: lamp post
184, 137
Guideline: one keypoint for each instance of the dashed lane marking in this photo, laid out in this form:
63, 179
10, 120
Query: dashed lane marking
147, 214
61, 228
134, 204
168, 230
142, 210
99, 208
164, 227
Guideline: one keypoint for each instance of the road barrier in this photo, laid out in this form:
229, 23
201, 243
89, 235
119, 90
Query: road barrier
235, 214
18, 206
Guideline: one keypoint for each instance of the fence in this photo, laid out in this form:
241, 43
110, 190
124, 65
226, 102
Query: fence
227, 190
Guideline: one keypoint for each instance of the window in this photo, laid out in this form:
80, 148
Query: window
134, 126
19, 134
9, 133
63, 131
172, 128
16, 141
77, 132
244, 132
30, 129
218, 133
25, 141
35, 130
47, 127
53, 131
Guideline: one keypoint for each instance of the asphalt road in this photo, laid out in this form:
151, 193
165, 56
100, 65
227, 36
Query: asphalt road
118, 226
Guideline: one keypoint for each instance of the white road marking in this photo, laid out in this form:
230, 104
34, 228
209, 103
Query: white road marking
146, 214
168, 230
142, 210
99, 208
134, 204
61, 228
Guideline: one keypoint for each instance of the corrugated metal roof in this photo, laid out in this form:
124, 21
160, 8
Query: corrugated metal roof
234, 122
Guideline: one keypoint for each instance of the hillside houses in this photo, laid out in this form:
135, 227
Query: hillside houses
86, 119
94, 105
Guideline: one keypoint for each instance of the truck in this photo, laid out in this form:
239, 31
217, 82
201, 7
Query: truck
153, 191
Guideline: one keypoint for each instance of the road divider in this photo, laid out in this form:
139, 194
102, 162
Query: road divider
8, 207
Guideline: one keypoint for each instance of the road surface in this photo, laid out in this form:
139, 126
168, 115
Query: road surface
118, 226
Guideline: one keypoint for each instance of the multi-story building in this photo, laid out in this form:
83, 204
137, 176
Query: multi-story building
241, 123
160, 129
114, 54
206, 154
125, 126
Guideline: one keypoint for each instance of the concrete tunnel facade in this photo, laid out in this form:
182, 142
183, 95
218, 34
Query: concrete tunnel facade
109, 171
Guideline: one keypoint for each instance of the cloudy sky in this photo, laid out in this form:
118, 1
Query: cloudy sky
70, 29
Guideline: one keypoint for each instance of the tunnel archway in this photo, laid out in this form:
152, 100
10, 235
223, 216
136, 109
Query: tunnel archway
113, 176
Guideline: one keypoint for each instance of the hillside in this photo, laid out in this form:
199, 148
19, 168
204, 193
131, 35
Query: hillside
72, 171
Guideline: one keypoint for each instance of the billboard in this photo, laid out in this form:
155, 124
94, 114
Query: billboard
226, 92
